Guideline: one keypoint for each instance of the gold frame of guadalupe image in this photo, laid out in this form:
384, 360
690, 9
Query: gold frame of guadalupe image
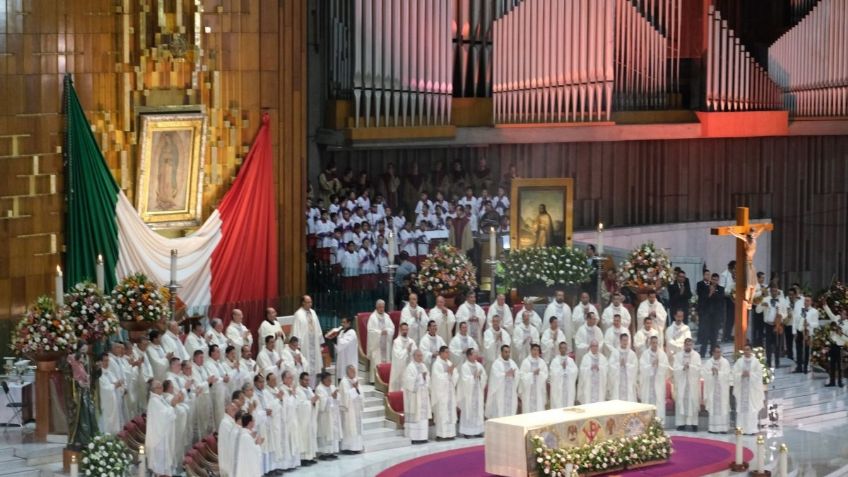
527, 228
169, 184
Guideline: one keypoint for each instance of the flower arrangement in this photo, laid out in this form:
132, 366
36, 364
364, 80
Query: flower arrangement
760, 354
546, 266
835, 297
91, 312
447, 271
646, 267
137, 298
105, 455
44, 329
606, 456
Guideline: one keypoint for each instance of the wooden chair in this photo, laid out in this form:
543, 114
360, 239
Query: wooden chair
394, 407
381, 383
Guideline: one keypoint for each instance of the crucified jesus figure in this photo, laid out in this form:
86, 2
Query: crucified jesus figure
750, 240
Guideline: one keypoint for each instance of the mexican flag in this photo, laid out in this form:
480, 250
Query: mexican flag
230, 261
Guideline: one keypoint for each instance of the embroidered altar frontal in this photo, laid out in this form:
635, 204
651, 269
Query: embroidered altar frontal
564, 427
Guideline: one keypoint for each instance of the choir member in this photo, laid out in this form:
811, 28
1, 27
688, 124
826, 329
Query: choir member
381, 330
717, 375
416, 399
402, 350
350, 408
686, 369
443, 395
563, 373
592, 385
804, 324
470, 392
836, 341
502, 395
622, 374
444, 319
653, 370
748, 390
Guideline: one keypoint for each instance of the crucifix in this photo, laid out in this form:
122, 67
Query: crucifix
746, 275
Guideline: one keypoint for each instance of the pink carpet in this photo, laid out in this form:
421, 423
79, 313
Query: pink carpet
692, 457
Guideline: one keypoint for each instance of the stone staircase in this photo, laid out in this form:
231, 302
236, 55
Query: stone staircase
31, 460
379, 433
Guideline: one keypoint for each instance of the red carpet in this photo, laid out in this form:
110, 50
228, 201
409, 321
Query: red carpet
692, 457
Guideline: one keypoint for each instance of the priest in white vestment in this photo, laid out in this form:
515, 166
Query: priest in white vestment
351, 405
415, 317
247, 460
347, 348
159, 446
562, 312
416, 399
255, 407
563, 373
717, 375
128, 371
237, 333
329, 418
203, 419
269, 415
402, 350
470, 312
431, 343
293, 359
172, 344
271, 327
616, 308
181, 385
144, 374
623, 371
686, 369
460, 344
535, 320
677, 334
268, 360
381, 332
216, 335
592, 384
470, 392
503, 310
157, 356
748, 390
227, 432
586, 334
307, 328
220, 385
502, 395
444, 319
443, 395
612, 335
653, 371
524, 335
196, 340
580, 312
177, 399
642, 339
291, 425
534, 378
653, 309
113, 389
307, 420
551, 338
494, 337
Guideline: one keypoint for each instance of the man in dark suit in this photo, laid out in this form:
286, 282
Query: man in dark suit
702, 289
679, 294
712, 316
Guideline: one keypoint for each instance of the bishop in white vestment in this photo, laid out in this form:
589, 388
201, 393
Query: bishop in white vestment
653, 371
592, 385
416, 399
686, 369
716, 374
563, 375
402, 350
381, 331
443, 395
748, 390
502, 396
470, 392
622, 376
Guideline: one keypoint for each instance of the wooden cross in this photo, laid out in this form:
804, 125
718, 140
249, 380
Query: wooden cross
746, 234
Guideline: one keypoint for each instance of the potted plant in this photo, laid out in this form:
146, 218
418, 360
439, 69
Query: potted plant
45, 333
536, 270
447, 272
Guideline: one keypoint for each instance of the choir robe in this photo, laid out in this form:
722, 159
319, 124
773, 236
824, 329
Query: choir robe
687, 387
562, 312
194, 343
171, 344
612, 339
416, 401
307, 328
266, 362
592, 385
290, 429
213, 337
492, 342
583, 340
271, 329
645, 309
475, 317
458, 345
675, 336
379, 345
532, 388
247, 460
609, 315
113, 414
641, 340
623, 375
329, 419
443, 397
184, 409
470, 392
652, 379
179, 424
416, 319
351, 405
550, 343
158, 361
159, 445
748, 392
503, 311
717, 375
402, 350
236, 336
347, 352
307, 423
579, 314
290, 362
218, 390
502, 395
522, 337
203, 417
563, 375
430, 346
445, 320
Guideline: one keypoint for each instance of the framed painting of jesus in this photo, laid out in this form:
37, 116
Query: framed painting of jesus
542, 212
169, 184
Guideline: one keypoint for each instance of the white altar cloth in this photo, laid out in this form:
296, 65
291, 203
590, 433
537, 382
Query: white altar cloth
508, 452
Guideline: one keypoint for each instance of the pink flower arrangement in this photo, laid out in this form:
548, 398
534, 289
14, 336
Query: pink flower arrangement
447, 271
44, 329
91, 311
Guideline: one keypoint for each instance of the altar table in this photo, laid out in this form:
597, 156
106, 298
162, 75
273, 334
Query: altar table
507, 442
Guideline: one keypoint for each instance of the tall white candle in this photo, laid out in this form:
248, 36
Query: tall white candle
60, 287
600, 239
74, 466
142, 462
783, 464
761, 451
101, 275
493, 244
174, 266
391, 248
738, 460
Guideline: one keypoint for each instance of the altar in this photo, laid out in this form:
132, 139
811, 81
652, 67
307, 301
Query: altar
507, 442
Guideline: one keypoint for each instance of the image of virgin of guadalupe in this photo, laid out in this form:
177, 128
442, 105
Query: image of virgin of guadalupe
82, 417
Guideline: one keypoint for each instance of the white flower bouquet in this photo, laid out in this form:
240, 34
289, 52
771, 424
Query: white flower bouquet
546, 266
44, 330
105, 455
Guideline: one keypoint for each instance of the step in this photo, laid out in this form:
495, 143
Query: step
393, 442
40, 454
373, 401
374, 411
380, 433
377, 423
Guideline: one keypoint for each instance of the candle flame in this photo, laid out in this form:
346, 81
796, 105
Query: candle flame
601, 226
58, 270
99, 258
